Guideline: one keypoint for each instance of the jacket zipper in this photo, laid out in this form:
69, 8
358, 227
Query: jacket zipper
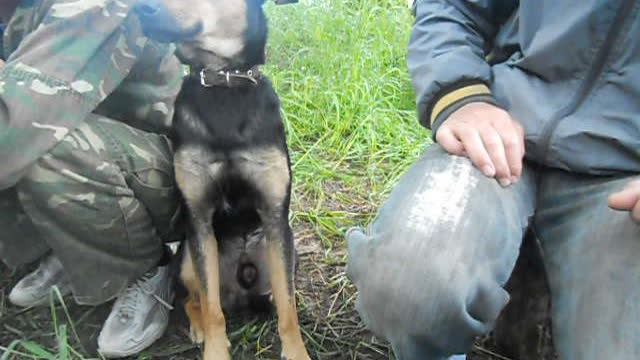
591, 78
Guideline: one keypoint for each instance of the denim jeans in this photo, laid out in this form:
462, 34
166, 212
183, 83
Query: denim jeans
431, 267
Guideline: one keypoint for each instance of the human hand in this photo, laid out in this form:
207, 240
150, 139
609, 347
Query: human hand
628, 199
489, 137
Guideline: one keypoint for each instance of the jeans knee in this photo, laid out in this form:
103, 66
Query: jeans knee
439, 311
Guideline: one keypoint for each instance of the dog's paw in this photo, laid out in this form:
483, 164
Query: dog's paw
295, 354
196, 334
304, 357
217, 350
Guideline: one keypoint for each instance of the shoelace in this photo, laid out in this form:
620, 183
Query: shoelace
130, 296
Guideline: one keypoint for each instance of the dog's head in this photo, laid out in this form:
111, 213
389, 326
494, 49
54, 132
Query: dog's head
244, 274
220, 34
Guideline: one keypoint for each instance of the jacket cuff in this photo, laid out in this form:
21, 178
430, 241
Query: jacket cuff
455, 99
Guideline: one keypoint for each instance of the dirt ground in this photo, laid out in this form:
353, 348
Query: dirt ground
331, 326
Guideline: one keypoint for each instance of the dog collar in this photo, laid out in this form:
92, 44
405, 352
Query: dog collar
229, 78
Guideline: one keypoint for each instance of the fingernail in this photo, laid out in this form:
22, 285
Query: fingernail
488, 170
514, 179
504, 182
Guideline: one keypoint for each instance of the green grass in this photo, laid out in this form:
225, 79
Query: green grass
63, 329
339, 68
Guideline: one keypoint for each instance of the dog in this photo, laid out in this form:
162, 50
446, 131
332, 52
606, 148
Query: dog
231, 156
244, 274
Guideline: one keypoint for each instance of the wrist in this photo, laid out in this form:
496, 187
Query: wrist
453, 100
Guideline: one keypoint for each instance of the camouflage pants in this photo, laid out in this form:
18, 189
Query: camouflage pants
103, 200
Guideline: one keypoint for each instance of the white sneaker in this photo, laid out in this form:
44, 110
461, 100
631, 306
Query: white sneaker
34, 289
139, 316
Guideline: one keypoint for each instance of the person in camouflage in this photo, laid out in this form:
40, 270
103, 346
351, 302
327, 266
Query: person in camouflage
86, 179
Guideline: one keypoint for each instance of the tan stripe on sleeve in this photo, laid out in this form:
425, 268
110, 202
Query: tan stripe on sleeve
456, 95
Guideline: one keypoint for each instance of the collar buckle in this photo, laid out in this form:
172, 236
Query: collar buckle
226, 77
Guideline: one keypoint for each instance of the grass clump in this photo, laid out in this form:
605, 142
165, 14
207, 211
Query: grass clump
339, 67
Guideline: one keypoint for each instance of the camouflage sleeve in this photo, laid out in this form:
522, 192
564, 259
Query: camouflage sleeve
75, 56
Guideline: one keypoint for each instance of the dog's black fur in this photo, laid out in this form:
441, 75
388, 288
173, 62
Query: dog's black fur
226, 119
232, 164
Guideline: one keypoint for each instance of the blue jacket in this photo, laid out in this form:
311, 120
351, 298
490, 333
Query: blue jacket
567, 70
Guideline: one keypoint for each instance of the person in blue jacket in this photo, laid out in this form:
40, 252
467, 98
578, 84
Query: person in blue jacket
534, 106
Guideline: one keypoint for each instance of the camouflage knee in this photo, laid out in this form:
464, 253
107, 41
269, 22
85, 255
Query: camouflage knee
20, 241
107, 159
104, 198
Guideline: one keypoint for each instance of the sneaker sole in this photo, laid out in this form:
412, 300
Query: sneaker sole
140, 347
114, 354
41, 302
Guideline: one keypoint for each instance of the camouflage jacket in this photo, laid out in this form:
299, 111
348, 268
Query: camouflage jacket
66, 59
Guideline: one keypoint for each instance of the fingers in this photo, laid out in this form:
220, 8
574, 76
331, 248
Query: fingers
512, 136
627, 200
635, 213
496, 153
476, 151
446, 138
494, 144
489, 137
622, 200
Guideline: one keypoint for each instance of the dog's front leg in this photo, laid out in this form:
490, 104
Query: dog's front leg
210, 325
216, 343
280, 256
192, 306
197, 183
268, 171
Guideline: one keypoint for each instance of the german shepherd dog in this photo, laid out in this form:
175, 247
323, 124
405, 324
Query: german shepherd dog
231, 155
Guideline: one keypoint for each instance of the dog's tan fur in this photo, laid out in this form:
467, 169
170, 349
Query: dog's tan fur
203, 170
223, 24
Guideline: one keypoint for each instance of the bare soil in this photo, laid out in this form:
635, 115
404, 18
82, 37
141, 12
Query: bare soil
331, 326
